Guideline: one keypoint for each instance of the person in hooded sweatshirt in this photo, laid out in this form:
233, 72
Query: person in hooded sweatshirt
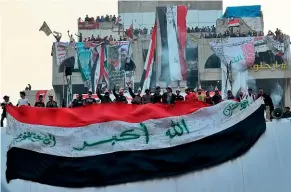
119, 98
157, 97
147, 97
136, 98
104, 98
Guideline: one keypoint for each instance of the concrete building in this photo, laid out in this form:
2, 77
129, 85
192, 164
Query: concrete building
203, 64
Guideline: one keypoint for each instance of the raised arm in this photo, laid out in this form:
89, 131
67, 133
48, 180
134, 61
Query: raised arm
114, 93
98, 94
131, 92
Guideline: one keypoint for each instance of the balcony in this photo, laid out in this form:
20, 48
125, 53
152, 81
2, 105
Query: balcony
88, 25
91, 25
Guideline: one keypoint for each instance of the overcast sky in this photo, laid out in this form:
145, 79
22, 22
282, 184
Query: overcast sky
25, 52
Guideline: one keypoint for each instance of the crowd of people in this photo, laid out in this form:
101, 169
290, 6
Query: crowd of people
94, 39
106, 18
209, 29
137, 99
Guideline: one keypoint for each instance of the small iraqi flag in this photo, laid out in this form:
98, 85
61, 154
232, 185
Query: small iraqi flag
233, 23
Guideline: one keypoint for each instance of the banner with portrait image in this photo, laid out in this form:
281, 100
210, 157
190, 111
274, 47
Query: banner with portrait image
60, 51
119, 53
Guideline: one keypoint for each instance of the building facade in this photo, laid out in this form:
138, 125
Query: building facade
142, 14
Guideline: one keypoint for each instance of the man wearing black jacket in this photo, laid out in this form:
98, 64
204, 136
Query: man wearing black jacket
104, 98
169, 97
157, 97
267, 99
119, 98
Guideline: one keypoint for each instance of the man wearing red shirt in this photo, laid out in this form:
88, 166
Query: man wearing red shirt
190, 96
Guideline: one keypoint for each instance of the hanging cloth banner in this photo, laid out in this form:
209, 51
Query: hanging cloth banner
83, 57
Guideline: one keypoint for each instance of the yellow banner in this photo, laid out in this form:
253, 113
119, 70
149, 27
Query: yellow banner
257, 67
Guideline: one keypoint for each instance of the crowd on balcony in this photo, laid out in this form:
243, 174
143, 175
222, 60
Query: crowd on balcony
209, 29
94, 39
106, 18
278, 35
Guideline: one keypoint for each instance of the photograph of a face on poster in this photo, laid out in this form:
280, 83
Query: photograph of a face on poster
119, 54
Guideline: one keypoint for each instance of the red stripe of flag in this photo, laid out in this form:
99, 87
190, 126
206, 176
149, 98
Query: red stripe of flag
182, 32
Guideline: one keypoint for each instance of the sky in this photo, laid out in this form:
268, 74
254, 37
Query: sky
25, 52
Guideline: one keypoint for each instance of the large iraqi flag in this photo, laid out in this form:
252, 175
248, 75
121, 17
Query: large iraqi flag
84, 147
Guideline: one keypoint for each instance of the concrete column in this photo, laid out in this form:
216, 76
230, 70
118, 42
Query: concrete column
288, 92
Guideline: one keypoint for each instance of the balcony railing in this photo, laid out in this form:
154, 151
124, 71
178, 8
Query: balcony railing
88, 25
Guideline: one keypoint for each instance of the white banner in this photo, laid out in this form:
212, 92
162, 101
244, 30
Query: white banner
60, 51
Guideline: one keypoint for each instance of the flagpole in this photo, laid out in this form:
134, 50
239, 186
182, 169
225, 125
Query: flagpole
123, 28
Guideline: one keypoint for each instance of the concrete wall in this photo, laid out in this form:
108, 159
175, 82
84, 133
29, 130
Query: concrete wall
142, 13
194, 18
150, 6
105, 29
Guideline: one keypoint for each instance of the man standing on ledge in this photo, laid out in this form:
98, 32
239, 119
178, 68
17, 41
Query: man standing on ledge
22, 100
119, 98
51, 103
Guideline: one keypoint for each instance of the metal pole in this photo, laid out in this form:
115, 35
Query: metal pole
63, 96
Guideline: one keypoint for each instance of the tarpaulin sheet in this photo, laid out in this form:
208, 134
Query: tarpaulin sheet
243, 11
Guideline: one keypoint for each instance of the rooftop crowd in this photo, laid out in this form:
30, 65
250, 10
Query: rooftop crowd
106, 18
138, 99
